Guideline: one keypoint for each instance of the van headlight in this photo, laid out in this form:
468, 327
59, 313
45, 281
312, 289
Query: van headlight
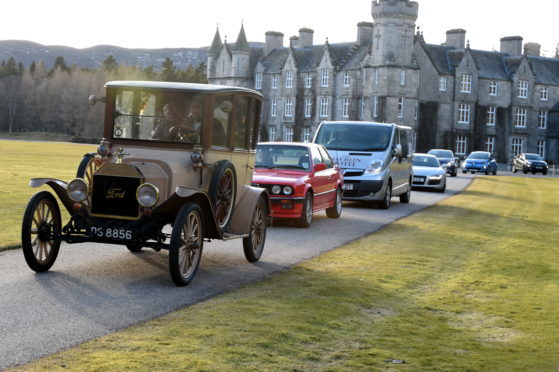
147, 195
78, 190
374, 167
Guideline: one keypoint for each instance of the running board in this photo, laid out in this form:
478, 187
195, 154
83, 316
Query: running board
230, 236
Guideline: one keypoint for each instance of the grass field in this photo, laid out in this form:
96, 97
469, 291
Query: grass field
471, 284
21, 161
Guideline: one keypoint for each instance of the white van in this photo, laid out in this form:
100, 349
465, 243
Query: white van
376, 158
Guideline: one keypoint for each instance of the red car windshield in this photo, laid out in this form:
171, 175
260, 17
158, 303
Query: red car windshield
282, 157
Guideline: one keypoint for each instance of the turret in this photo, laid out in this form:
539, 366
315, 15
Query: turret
241, 56
213, 53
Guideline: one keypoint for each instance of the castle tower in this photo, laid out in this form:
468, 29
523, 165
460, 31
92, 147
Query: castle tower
394, 28
240, 65
213, 54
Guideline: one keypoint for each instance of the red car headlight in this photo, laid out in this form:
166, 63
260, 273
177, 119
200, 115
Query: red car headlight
287, 190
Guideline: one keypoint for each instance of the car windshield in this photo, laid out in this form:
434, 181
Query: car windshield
282, 157
533, 157
354, 137
157, 116
425, 161
479, 155
442, 154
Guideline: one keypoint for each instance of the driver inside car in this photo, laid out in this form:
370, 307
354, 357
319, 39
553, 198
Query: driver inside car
174, 125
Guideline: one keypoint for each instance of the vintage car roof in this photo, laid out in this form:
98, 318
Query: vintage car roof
205, 88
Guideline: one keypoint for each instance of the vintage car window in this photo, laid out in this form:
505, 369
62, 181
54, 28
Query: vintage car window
326, 159
282, 157
242, 122
154, 116
223, 109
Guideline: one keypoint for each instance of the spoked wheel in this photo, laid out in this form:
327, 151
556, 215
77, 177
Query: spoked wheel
223, 189
187, 240
40, 228
336, 210
253, 244
307, 212
89, 164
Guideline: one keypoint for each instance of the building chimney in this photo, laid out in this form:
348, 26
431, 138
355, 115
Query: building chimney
532, 49
364, 33
456, 38
306, 37
294, 41
512, 45
273, 40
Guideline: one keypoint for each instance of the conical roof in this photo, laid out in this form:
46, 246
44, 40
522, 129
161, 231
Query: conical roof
241, 44
217, 45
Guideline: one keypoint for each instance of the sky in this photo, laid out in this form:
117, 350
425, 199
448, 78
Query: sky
184, 23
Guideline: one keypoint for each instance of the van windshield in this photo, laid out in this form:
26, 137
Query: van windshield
354, 137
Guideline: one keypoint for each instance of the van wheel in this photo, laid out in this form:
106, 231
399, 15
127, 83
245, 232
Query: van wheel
405, 197
385, 203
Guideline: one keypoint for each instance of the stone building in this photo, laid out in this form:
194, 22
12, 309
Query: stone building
453, 96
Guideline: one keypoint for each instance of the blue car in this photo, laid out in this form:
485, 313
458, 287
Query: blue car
480, 161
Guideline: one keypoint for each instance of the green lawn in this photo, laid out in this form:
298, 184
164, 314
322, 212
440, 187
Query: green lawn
471, 284
21, 161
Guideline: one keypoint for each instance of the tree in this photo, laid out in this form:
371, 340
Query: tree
110, 64
168, 72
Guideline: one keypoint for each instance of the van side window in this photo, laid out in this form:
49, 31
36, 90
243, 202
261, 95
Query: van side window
326, 158
404, 142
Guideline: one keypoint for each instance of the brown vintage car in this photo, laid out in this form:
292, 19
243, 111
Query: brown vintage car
173, 154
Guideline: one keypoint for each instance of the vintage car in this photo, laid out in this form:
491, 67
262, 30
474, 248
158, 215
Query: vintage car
173, 170
447, 160
527, 162
301, 179
480, 161
428, 173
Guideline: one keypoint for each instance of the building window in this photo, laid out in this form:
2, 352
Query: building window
416, 112
491, 115
258, 81
401, 107
288, 135
541, 148
324, 76
466, 86
272, 134
492, 88
522, 89
345, 107
289, 79
517, 146
308, 107
520, 118
308, 81
274, 108
443, 83
464, 113
347, 79
490, 144
461, 145
307, 134
402, 77
275, 82
542, 120
324, 107
544, 94
362, 114
289, 107
375, 106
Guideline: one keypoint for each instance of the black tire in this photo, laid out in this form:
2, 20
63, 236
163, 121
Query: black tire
454, 174
514, 170
405, 197
385, 202
41, 223
464, 171
495, 172
253, 245
307, 213
524, 170
134, 247
187, 242
544, 173
223, 190
336, 210
443, 189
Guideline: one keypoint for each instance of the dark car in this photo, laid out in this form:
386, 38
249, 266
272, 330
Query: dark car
480, 161
446, 159
529, 163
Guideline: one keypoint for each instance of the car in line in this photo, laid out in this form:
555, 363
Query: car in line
175, 155
447, 160
428, 173
301, 179
480, 161
527, 162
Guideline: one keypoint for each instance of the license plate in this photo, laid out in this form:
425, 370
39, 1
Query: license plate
417, 179
111, 233
348, 186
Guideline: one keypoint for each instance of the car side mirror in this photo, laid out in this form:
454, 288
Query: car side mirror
319, 167
397, 150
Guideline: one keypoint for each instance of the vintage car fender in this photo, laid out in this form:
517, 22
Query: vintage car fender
59, 187
242, 215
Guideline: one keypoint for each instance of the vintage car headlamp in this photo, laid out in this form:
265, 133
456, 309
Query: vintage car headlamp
276, 189
147, 195
287, 190
78, 190
374, 167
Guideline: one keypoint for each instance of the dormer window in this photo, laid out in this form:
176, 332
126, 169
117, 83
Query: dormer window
324, 77
466, 86
522, 89
289, 79
492, 88
347, 79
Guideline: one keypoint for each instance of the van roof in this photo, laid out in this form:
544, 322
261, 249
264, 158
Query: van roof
364, 123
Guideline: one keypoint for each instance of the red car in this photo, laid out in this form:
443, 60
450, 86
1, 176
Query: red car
301, 179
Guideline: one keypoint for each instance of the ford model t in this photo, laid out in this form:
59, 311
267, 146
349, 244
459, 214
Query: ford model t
172, 154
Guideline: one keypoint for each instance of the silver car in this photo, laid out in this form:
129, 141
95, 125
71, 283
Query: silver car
428, 173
